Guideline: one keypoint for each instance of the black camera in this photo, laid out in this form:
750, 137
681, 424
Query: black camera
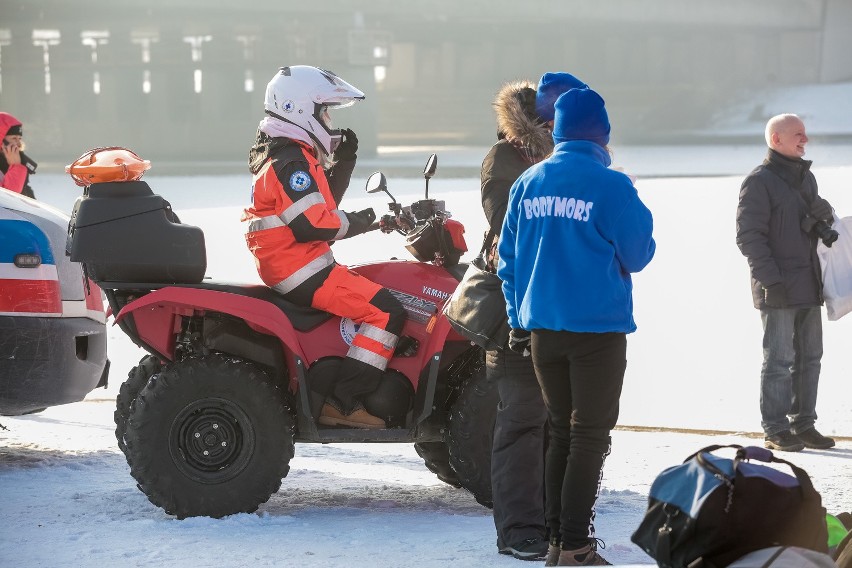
821, 229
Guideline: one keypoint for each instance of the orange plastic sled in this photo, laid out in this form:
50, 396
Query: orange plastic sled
100, 165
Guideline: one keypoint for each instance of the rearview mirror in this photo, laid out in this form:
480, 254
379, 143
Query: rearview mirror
376, 183
431, 166
429, 170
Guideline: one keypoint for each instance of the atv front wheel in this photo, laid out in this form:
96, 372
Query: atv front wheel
137, 378
210, 437
471, 432
437, 459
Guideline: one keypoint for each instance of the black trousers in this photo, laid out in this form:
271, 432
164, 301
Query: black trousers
517, 455
581, 375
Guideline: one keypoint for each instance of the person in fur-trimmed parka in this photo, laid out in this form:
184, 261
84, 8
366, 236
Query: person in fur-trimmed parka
517, 458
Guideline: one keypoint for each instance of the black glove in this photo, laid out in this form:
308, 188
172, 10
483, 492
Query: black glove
519, 341
368, 215
775, 296
348, 146
388, 224
821, 209
359, 222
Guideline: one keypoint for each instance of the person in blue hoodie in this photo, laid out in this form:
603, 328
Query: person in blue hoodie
524, 122
574, 231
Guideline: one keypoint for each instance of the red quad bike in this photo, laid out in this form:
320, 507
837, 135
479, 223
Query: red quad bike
235, 374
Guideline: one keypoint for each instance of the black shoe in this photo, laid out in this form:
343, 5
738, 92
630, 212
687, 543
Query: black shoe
813, 439
783, 441
529, 549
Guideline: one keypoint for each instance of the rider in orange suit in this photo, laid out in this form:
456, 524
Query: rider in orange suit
294, 215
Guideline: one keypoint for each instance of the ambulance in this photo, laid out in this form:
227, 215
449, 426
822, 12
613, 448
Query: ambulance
53, 343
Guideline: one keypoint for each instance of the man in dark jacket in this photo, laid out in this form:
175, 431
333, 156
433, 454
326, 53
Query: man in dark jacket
778, 221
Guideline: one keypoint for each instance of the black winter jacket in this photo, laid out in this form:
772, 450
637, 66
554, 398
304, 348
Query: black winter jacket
523, 141
774, 198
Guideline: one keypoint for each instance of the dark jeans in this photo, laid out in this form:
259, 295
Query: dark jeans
581, 375
517, 456
792, 349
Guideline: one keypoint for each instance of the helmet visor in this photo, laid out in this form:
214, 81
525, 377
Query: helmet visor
337, 93
342, 103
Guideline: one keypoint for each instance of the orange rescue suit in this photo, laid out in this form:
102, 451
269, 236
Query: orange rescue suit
293, 216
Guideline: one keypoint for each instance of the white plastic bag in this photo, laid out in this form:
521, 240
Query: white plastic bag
836, 263
784, 557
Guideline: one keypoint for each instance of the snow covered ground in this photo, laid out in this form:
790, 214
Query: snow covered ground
67, 498
825, 109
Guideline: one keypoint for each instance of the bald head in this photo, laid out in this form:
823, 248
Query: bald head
785, 133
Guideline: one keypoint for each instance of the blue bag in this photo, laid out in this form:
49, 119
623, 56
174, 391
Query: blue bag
709, 511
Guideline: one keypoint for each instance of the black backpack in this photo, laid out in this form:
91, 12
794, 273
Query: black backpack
709, 511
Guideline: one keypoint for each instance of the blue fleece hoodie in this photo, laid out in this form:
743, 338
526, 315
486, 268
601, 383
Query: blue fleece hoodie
574, 231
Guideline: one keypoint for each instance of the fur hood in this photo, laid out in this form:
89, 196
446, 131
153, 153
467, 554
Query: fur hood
517, 120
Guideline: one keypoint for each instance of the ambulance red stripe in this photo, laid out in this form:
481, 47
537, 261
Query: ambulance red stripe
19, 297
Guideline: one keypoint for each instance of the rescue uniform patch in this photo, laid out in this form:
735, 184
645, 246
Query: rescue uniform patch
300, 181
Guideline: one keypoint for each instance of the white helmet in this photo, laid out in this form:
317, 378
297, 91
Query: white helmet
301, 95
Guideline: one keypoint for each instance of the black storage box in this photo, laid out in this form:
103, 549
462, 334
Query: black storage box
123, 232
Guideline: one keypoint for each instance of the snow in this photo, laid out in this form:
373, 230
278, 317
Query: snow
824, 108
67, 497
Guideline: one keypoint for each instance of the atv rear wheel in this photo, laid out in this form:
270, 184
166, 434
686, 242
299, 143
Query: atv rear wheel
137, 378
210, 437
471, 432
436, 456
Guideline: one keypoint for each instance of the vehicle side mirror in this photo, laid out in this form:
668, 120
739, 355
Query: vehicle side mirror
431, 166
377, 183
429, 170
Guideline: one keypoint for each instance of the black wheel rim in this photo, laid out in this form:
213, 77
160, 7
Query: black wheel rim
211, 440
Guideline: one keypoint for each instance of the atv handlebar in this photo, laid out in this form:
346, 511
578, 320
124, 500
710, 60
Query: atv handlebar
399, 222
424, 223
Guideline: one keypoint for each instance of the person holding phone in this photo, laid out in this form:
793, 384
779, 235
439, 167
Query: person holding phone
15, 166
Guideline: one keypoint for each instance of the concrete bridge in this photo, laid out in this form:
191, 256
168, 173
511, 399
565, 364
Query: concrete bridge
184, 79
